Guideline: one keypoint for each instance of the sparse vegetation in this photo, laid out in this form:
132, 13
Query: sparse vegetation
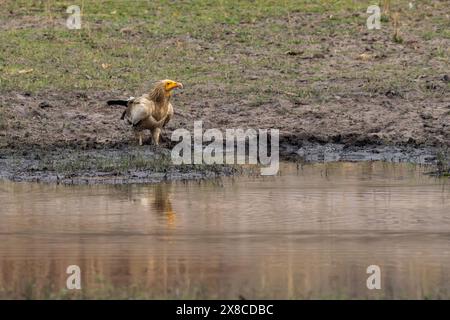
133, 165
106, 163
396, 24
386, 8
119, 164
102, 289
3, 121
443, 163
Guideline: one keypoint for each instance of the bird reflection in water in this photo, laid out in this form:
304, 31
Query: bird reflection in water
162, 203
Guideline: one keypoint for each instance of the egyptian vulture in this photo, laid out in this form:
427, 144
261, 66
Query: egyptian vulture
150, 111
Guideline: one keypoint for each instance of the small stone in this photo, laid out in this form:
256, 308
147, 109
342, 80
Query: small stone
44, 105
431, 86
426, 115
392, 93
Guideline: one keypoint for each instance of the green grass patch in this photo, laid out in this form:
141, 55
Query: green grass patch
142, 40
125, 45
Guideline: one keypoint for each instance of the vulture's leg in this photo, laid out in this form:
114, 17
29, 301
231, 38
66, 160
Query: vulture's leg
155, 133
161, 136
138, 135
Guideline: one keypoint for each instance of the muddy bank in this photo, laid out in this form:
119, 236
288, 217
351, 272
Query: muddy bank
103, 166
335, 90
74, 138
339, 152
149, 164
82, 120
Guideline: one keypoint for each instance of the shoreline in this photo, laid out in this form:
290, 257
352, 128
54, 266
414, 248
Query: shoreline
149, 164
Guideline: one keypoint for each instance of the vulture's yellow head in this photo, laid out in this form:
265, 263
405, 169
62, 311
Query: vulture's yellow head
169, 85
163, 88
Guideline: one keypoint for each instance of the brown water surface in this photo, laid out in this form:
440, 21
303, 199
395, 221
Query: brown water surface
309, 233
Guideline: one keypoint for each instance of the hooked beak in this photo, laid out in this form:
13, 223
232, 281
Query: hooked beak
179, 85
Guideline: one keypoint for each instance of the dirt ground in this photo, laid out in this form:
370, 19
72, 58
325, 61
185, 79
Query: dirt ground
84, 120
76, 138
354, 88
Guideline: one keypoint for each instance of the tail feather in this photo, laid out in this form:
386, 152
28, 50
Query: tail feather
117, 102
120, 102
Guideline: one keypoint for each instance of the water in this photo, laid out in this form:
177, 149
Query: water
309, 233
